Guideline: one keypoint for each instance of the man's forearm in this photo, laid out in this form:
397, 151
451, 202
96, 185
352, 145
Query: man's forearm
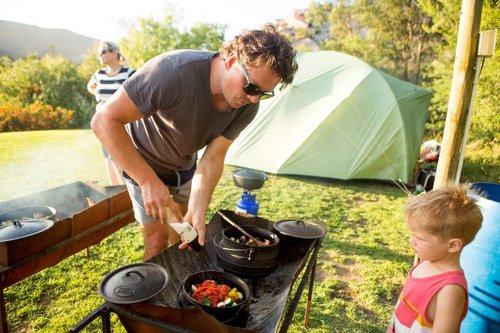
205, 180
118, 143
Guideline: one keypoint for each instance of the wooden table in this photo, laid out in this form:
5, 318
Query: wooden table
271, 308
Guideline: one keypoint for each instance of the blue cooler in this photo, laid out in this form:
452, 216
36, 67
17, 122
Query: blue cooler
480, 262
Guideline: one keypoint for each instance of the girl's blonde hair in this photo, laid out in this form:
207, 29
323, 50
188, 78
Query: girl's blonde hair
448, 212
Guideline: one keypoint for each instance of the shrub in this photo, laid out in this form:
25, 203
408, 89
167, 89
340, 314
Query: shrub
49, 80
36, 116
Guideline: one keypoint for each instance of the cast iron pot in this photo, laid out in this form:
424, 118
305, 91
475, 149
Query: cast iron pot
133, 283
223, 314
247, 260
297, 236
28, 213
249, 179
11, 230
25, 221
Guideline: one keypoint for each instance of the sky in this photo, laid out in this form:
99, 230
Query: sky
101, 19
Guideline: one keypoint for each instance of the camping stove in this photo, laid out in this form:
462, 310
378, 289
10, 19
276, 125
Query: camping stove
248, 180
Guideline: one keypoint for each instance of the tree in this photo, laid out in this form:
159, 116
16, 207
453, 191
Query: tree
204, 36
486, 116
148, 37
90, 63
50, 80
387, 34
414, 40
437, 71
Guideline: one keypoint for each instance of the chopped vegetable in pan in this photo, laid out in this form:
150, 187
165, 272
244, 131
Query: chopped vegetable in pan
216, 295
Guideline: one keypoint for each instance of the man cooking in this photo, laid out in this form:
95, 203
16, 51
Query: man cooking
176, 104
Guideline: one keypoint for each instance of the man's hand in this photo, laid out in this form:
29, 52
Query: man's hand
199, 225
203, 184
158, 203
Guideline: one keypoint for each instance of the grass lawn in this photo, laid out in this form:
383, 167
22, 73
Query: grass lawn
363, 262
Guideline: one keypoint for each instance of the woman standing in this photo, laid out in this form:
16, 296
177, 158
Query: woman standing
103, 85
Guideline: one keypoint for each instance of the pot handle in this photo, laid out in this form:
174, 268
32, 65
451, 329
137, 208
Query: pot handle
249, 252
17, 223
141, 276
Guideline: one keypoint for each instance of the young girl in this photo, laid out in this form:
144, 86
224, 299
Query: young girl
434, 298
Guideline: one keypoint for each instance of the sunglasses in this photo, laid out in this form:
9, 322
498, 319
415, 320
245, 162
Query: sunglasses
104, 52
251, 89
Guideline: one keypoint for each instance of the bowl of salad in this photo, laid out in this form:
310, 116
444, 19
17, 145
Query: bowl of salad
220, 294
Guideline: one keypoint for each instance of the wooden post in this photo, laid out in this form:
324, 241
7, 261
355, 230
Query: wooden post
454, 136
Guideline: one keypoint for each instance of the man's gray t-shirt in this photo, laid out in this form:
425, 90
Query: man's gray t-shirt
172, 91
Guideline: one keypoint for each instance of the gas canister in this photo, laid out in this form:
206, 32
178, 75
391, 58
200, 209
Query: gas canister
248, 204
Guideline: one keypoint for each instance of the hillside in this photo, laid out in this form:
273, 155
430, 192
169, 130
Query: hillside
18, 39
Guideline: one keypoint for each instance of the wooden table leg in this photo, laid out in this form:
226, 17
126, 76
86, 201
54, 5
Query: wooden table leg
307, 273
3, 313
309, 295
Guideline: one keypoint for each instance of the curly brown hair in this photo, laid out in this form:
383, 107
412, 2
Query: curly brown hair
266, 47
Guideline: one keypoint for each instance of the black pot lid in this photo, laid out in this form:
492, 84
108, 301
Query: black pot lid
28, 213
299, 229
16, 229
133, 283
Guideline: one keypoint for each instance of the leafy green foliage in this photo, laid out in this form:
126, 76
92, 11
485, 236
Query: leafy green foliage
203, 36
50, 80
414, 40
89, 65
485, 124
61, 85
149, 37
482, 163
486, 117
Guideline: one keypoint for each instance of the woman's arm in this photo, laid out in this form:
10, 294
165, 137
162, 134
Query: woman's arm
92, 86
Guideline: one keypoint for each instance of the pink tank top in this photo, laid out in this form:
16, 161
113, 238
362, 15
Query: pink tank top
410, 313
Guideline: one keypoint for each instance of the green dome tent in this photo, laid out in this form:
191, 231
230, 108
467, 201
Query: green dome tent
341, 118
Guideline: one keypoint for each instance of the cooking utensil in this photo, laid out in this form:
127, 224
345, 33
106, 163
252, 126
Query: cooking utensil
227, 315
249, 179
16, 229
240, 229
28, 213
299, 229
245, 260
133, 283
297, 236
